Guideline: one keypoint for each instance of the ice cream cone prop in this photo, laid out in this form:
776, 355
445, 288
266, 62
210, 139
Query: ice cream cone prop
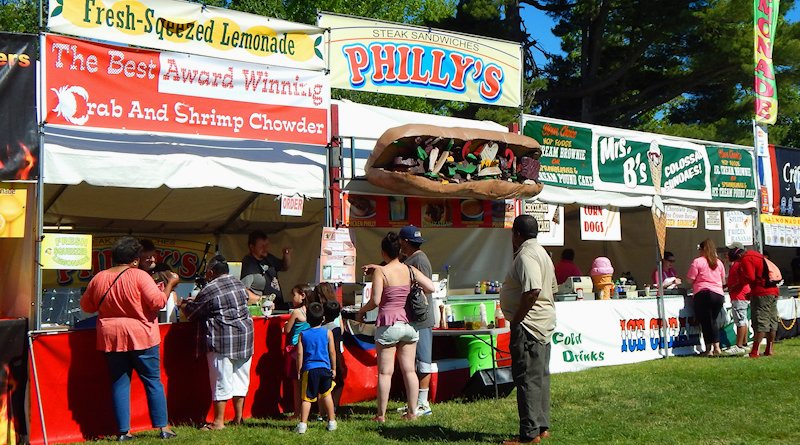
602, 286
660, 222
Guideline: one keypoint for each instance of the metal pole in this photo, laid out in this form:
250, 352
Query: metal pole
36, 382
662, 313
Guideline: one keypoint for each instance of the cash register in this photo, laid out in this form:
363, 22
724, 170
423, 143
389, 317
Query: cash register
568, 290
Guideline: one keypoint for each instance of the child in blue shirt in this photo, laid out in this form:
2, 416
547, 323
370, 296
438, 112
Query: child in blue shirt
316, 367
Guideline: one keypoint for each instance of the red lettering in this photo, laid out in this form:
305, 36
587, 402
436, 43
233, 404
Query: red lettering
549, 130
764, 6
461, 63
765, 69
764, 48
767, 89
383, 63
189, 263
492, 82
417, 76
436, 71
402, 69
568, 132
358, 60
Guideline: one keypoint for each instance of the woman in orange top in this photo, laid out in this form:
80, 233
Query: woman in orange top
127, 301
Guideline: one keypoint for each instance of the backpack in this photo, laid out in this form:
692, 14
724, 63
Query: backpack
771, 274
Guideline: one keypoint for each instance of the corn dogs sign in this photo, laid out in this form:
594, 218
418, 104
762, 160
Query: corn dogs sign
191, 28
385, 57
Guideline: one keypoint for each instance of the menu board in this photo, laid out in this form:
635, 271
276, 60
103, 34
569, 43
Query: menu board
681, 217
337, 259
399, 211
783, 231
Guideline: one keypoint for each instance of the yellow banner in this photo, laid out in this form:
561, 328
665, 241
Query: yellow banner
69, 252
12, 211
778, 219
386, 57
190, 28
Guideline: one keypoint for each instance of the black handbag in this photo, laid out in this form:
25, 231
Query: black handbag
417, 302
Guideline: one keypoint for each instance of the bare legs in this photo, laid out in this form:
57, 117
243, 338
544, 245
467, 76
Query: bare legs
406, 354
741, 335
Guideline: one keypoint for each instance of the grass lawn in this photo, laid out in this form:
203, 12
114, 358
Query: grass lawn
680, 400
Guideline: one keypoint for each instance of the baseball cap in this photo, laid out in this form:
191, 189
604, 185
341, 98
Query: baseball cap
412, 234
735, 246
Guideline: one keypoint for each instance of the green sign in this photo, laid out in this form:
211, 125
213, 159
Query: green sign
630, 166
732, 174
566, 153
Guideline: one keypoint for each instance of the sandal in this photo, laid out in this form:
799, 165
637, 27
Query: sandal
409, 416
209, 427
381, 419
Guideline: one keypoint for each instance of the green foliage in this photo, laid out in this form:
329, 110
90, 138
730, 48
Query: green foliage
19, 16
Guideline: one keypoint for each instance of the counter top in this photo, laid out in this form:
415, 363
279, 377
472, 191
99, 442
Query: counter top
457, 332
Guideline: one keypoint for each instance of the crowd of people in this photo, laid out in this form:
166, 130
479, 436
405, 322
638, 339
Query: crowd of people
128, 296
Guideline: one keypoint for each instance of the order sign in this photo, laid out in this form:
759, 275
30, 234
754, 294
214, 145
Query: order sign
600, 223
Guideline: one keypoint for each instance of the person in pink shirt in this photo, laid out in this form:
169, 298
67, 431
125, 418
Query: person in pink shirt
668, 275
127, 301
706, 275
566, 268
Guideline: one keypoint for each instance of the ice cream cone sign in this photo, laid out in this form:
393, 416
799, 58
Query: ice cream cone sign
654, 159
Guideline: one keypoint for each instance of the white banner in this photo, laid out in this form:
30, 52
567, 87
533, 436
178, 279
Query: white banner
386, 57
681, 217
551, 221
713, 219
192, 28
600, 223
618, 332
738, 227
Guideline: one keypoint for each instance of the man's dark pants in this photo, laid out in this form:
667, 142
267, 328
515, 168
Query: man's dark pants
530, 364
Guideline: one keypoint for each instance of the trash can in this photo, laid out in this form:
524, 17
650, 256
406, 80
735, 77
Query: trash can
478, 353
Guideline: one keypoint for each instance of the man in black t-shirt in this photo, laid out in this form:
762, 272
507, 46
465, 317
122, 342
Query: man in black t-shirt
260, 268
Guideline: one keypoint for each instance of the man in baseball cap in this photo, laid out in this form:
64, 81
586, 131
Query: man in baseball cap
410, 241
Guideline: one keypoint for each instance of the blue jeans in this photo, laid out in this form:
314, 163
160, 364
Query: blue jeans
147, 365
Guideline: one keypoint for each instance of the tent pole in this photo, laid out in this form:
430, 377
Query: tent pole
36, 382
662, 313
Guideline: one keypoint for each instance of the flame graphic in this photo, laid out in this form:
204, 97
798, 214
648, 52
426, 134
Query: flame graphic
8, 434
22, 162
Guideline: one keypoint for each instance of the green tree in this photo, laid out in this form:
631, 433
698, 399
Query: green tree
19, 16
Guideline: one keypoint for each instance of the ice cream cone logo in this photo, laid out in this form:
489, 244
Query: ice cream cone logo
654, 158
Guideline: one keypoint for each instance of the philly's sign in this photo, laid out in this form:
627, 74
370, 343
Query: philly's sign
386, 57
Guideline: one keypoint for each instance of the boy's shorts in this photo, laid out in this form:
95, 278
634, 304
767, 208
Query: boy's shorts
739, 312
316, 382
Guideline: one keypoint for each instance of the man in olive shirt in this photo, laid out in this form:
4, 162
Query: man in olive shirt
526, 299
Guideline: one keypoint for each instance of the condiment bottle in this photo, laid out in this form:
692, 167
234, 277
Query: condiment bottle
483, 287
442, 317
484, 317
500, 319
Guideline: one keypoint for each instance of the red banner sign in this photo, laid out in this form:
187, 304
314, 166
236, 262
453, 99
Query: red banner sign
104, 86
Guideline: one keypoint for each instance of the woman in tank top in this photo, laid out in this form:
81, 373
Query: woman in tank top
394, 334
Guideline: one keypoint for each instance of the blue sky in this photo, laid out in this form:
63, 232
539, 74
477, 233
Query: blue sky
540, 27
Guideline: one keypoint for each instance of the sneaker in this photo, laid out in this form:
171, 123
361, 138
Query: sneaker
301, 428
403, 409
424, 410
332, 425
736, 350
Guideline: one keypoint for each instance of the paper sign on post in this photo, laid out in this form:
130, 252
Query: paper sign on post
292, 205
738, 227
69, 252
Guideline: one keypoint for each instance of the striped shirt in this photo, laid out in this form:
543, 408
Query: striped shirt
229, 327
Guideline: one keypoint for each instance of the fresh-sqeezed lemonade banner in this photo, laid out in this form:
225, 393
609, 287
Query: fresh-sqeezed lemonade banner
385, 57
95, 85
191, 28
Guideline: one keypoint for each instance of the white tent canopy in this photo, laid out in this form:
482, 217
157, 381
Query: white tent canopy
102, 181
